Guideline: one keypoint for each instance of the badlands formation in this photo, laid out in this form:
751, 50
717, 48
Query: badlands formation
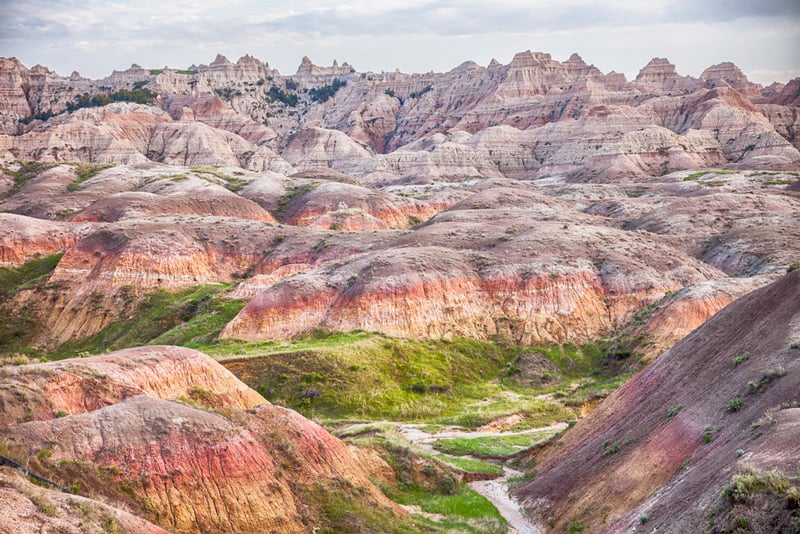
538, 203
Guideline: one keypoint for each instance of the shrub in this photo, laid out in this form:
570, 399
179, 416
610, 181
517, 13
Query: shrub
321, 94
741, 358
734, 405
611, 448
672, 411
278, 95
44, 504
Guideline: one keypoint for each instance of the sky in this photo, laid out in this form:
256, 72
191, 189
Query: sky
95, 37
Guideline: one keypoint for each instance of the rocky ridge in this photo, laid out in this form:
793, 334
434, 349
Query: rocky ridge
658, 123
536, 263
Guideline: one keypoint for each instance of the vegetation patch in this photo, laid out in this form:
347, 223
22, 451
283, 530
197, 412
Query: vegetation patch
462, 503
470, 465
140, 95
672, 411
188, 317
232, 183
498, 446
741, 358
700, 174
292, 193
359, 374
758, 502
86, 171
275, 94
19, 324
325, 92
27, 171
16, 278
766, 379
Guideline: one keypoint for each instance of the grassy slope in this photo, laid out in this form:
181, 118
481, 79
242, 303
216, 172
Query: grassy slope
491, 446
185, 317
18, 324
362, 375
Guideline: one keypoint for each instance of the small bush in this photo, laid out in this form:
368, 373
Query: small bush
672, 411
44, 505
611, 448
741, 358
734, 405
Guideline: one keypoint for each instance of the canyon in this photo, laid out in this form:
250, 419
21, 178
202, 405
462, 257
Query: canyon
535, 206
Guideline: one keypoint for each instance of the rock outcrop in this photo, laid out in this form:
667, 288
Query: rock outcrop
28, 509
238, 114
479, 270
234, 463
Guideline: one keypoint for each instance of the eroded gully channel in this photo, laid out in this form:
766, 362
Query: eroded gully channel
495, 490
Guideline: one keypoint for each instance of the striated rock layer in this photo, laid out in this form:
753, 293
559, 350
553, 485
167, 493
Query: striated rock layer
576, 120
244, 466
672, 434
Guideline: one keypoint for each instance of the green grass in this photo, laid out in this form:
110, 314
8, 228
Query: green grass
27, 171
700, 174
292, 193
341, 508
20, 324
232, 183
368, 375
461, 382
86, 171
358, 375
470, 465
16, 278
491, 446
465, 503
189, 317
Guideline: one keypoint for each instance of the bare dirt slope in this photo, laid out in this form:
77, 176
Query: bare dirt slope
722, 401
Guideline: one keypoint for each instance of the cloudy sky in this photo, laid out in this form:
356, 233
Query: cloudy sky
94, 37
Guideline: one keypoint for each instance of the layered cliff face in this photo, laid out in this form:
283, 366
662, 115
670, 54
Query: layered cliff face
327, 234
84, 385
232, 463
720, 403
534, 263
579, 122
533, 273
25, 238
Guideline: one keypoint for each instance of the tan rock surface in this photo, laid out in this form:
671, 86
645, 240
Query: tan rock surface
31, 509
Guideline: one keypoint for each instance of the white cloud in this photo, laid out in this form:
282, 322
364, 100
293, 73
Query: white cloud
95, 37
